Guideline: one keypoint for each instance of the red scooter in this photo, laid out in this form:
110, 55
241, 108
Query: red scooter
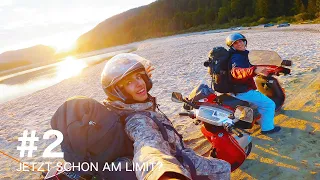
224, 118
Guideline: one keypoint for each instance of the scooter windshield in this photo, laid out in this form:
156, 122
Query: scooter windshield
264, 57
202, 90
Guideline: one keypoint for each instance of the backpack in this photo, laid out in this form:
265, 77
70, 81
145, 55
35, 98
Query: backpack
219, 68
92, 133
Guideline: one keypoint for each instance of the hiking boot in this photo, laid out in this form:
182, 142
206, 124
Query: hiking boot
274, 130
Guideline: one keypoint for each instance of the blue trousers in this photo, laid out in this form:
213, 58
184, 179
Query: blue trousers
266, 107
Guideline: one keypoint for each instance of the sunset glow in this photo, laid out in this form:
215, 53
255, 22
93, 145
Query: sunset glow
54, 23
70, 67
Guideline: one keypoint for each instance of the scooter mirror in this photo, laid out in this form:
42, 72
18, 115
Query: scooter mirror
177, 97
286, 63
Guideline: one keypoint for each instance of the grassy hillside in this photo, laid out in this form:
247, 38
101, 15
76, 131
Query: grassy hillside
167, 17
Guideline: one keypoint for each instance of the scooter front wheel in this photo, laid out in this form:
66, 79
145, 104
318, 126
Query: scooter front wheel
247, 150
236, 161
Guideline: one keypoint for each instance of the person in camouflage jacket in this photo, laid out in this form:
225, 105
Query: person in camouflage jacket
125, 81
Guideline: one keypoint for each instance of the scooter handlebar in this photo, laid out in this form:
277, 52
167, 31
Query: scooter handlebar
231, 128
274, 70
189, 114
184, 114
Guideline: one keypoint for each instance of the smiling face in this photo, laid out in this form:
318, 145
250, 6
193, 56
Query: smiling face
239, 45
135, 86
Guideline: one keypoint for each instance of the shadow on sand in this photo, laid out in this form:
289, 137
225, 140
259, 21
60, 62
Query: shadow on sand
289, 154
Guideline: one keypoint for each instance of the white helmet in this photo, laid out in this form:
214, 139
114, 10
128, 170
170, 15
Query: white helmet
119, 67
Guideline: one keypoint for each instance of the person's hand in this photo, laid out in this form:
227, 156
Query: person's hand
149, 70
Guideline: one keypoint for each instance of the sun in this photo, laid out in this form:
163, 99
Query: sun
62, 42
70, 67
65, 46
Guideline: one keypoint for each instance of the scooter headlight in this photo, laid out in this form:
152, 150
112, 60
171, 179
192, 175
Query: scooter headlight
244, 113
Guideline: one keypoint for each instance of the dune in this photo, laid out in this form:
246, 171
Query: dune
292, 153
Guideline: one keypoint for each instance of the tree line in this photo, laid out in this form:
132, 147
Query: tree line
166, 17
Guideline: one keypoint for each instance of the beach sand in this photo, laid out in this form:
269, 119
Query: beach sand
293, 153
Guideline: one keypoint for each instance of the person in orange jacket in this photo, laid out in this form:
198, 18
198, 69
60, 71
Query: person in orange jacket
242, 72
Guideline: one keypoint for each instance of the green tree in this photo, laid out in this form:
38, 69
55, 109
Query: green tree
312, 7
318, 5
209, 16
289, 8
224, 14
299, 7
278, 8
237, 8
248, 6
262, 8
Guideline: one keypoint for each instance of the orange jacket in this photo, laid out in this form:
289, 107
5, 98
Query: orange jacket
242, 71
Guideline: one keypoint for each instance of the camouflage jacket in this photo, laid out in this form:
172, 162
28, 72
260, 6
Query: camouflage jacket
153, 152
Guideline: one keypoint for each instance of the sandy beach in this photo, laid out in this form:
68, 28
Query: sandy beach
294, 153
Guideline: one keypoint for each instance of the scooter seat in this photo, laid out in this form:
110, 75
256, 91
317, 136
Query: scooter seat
228, 100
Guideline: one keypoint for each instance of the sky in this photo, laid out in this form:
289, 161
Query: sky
57, 23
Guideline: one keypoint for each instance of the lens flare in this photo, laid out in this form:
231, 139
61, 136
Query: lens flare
70, 67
